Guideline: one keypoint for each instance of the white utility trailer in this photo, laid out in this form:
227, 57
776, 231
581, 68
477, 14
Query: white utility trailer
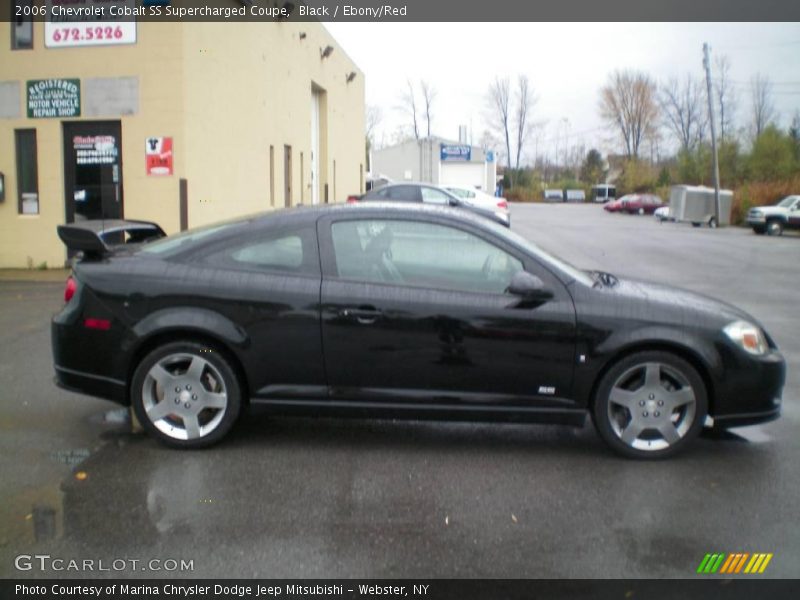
695, 204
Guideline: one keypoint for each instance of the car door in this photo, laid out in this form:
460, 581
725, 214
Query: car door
794, 214
414, 310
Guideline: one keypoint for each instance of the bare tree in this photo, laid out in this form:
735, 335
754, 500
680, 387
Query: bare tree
373, 117
725, 95
682, 109
525, 101
763, 105
409, 106
428, 96
499, 100
628, 104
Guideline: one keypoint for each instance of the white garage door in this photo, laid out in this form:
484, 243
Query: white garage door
463, 173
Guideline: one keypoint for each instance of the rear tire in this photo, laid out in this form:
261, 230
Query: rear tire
186, 394
712, 223
649, 405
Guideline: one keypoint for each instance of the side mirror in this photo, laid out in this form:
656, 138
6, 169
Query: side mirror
529, 288
454, 202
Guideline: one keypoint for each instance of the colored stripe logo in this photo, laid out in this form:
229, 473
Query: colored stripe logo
735, 563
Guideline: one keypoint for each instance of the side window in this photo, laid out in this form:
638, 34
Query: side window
284, 252
418, 254
408, 193
433, 196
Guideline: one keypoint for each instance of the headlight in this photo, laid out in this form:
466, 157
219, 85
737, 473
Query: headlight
748, 337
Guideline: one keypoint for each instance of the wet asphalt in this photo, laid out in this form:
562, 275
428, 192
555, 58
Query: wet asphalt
337, 498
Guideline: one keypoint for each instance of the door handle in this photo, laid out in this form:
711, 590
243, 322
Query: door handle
363, 314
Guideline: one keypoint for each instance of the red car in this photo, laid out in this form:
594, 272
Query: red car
640, 204
614, 205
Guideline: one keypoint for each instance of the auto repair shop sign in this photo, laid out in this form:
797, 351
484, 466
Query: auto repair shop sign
54, 98
456, 152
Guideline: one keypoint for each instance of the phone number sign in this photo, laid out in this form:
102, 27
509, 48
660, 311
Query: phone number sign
89, 23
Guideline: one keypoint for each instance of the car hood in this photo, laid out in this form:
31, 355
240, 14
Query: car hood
674, 303
769, 210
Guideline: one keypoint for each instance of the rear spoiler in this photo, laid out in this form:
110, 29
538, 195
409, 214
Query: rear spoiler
98, 238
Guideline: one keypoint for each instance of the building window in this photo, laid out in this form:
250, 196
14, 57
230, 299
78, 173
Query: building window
21, 26
27, 172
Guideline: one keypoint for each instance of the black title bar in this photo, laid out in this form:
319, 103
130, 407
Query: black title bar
375, 11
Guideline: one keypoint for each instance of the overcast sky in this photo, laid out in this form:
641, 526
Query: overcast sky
567, 63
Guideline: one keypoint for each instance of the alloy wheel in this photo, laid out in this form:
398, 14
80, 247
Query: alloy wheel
184, 396
651, 406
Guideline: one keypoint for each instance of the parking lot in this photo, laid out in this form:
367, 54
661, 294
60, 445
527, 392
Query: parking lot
338, 498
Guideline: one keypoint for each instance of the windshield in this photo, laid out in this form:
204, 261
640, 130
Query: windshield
461, 193
787, 202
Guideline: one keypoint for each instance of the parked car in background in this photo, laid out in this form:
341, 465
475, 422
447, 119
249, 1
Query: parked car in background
481, 199
553, 196
641, 204
425, 193
662, 213
614, 205
394, 310
603, 193
774, 219
575, 196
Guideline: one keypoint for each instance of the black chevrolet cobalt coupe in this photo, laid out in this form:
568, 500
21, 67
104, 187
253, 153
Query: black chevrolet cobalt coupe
401, 312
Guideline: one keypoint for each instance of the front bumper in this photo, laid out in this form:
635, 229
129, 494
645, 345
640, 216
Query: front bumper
750, 390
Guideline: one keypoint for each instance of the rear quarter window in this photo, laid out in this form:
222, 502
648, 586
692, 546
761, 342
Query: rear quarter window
288, 252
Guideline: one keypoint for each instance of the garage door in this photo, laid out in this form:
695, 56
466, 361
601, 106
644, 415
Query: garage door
464, 173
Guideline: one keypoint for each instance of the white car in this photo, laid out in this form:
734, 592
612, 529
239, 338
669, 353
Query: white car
662, 214
476, 197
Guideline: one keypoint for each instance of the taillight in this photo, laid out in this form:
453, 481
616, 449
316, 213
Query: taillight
502, 204
353, 199
71, 288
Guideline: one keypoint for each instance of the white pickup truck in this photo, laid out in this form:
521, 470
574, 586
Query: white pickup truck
774, 219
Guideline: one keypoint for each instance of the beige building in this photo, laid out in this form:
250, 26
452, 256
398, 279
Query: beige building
184, 124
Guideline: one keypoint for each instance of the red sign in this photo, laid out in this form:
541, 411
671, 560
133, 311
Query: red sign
158, 155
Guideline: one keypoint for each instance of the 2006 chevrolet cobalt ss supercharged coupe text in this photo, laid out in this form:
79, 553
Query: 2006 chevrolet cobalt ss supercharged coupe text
402, 312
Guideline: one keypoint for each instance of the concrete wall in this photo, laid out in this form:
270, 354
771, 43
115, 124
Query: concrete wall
254, 90
224, 93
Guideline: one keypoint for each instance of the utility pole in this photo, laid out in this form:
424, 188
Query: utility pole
707, 65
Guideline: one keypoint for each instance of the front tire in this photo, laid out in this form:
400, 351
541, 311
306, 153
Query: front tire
649, 405
759, 230
774, 227
186, 394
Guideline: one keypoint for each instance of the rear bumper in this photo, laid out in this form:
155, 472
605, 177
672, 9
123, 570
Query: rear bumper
91, 385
